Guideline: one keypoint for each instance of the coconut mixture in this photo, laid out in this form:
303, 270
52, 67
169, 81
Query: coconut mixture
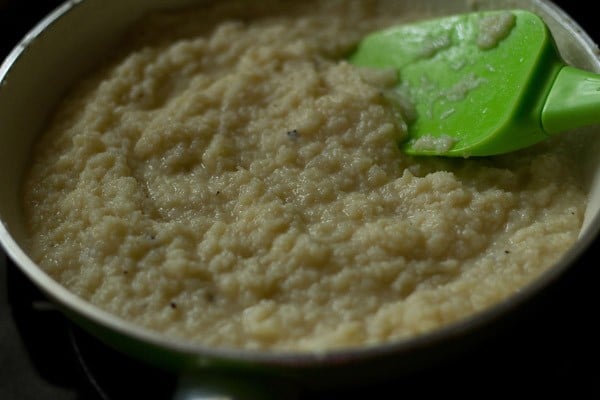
230, 180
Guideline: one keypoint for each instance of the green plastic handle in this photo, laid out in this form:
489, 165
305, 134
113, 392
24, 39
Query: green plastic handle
573, 101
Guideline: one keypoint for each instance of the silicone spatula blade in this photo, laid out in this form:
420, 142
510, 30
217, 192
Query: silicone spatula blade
482, 83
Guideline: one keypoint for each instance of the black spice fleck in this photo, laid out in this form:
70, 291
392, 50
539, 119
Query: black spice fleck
210, 297
173, 305
293, 134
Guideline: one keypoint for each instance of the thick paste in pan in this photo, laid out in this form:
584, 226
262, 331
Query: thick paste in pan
230, 180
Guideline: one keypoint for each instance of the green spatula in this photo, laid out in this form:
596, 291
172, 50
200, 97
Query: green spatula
482, 83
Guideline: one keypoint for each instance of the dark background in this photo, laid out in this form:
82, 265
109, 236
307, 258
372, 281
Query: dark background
552, 350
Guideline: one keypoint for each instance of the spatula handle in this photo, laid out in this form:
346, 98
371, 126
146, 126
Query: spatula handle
573, 101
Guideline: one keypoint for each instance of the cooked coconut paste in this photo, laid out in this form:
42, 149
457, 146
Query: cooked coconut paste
229, 180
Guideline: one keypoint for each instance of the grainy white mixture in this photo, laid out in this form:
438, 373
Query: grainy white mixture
230, 180
494, 28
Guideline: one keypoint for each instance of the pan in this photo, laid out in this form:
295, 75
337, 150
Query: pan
34, 77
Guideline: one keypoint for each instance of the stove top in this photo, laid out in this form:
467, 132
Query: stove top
44, 356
